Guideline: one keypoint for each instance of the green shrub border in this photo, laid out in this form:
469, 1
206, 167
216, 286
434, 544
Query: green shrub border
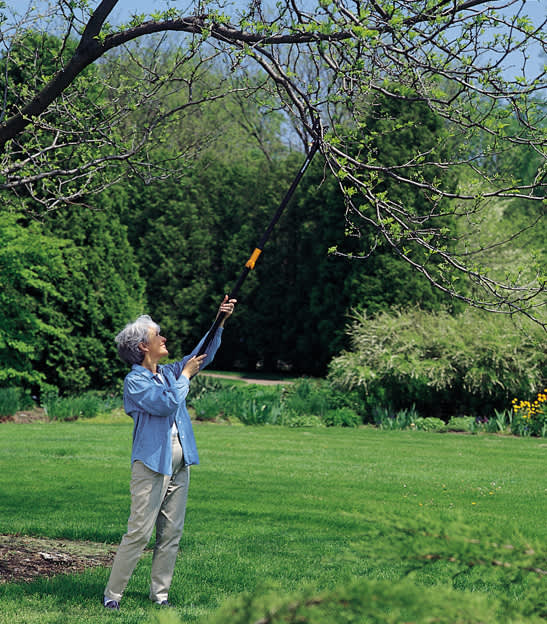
304, 402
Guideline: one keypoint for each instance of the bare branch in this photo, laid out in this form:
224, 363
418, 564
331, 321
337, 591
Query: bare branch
466, 65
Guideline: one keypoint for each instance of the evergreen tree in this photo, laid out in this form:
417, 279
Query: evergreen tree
103, 290
32, 271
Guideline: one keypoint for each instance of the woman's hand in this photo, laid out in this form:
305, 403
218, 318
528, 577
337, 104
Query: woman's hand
193, 365
226, 307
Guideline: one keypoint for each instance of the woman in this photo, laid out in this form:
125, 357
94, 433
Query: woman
164, 447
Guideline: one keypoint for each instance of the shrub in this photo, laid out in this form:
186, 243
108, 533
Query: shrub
111, 400
202, 384
342, 417
13, 400
209, 405
252, 405
438, 551
465, 364
213, 398
359, 600
461, 423
86, 405
296, 419
259, 411
306, 396
429, 424
304, 403
322, 399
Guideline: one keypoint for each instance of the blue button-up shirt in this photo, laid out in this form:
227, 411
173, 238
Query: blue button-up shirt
155, 404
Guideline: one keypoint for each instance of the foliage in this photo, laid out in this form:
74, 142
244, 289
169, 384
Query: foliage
258, 409
156, 242
407, 599
180, 229
307, 396
419, 136
304, 402
461, 423
12, 400
301, 419
50, 170
429, 424
363, 600
69, 274
503, 421
202, 384
445, 365
211, 405
9, 401
342, 417
304, 291
530, 417
500, 422
385, 418
251, 405
32, 270
319, 396
84, 406
295, 302
103, 291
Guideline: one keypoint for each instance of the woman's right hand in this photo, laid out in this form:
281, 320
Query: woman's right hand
193, 365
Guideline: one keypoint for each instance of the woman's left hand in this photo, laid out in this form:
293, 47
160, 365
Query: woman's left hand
226, 307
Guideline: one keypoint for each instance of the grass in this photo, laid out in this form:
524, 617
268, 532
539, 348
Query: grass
267, 504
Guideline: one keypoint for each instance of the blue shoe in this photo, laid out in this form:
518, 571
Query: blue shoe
111, 604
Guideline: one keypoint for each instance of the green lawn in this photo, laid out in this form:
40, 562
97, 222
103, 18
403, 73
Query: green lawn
288, 506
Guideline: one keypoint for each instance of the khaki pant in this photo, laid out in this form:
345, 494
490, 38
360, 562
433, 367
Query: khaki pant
160, 501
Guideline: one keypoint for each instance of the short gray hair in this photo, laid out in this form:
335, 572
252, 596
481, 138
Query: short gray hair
131, 336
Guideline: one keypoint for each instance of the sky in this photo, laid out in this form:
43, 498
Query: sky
535, 9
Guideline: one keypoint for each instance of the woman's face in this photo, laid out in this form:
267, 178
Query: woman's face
156, 345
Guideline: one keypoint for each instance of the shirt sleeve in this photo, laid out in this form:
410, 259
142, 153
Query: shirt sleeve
177, 367
154, 398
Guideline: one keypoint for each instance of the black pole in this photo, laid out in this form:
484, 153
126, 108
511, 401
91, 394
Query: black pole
250, 264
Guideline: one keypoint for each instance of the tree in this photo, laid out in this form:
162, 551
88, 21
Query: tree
68, 284
68, 275
329, 62
304, 293
32, 267
102, 291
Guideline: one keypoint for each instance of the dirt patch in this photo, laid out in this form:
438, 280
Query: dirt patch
23, 559
26, 416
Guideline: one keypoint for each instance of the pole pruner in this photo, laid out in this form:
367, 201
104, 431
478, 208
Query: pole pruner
250, 264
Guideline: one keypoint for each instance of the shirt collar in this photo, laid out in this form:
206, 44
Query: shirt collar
143, 370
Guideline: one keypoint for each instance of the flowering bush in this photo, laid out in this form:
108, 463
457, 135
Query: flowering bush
530, 417
472, 363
